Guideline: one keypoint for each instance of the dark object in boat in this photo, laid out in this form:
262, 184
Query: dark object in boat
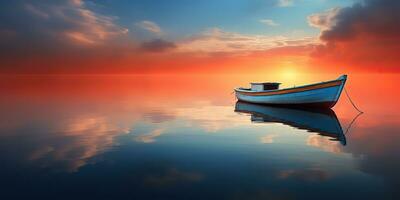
264, 86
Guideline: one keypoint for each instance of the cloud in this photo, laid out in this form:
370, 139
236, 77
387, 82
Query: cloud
150, 26
365, 35
269, 22
325, 20
157, 45
36, 11
285, 3
43, 35
150, 137
324, 143
54, 23
90, 27
267, 139
83, 138
376, 18
218, 40
76, 37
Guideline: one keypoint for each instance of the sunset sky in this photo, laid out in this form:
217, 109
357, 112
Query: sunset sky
208, 36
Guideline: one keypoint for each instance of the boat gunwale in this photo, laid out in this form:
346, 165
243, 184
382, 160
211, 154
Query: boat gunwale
284, 89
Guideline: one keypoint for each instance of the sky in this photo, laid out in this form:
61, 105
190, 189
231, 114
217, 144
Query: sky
208, 36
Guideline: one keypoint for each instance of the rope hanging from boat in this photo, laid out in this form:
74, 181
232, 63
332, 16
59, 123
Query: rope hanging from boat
351, 123
351, 101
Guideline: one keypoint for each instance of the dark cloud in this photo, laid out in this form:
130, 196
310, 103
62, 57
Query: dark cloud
366, 34
377, 18
157, 45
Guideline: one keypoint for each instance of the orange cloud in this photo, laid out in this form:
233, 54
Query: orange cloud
150, 137
325, 20
216, 40
324, 143
267, 139
77, 22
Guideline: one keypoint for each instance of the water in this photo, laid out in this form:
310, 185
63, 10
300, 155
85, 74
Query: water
169, 137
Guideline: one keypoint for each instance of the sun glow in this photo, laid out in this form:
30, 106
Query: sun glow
291, 75
288, 73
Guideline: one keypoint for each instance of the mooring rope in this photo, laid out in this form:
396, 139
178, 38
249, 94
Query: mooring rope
351, 101
351, 123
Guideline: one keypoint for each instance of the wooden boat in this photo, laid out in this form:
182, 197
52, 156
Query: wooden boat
321, 121
324, 94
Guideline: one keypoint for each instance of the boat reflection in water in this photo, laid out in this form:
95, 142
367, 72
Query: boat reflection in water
324, 122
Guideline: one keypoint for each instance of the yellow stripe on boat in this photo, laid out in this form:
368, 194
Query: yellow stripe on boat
292, 90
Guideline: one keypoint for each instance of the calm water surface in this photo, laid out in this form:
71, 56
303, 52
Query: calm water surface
168, 137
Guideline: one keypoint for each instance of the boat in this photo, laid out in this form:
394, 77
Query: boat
321, 121
322, 95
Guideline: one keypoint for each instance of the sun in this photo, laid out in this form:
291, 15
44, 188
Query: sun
288, 73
